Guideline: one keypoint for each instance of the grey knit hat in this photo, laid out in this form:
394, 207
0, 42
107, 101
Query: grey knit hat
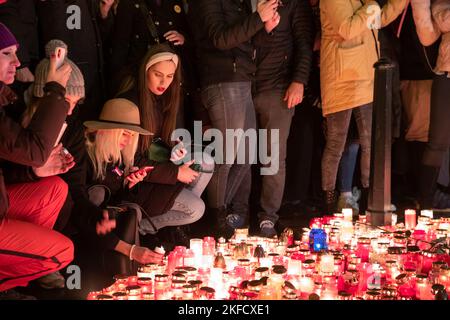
75, 85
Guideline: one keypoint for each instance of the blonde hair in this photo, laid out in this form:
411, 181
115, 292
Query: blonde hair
103, 149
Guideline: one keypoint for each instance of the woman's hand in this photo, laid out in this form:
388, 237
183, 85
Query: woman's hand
175, 37
135, 177
105, 225
57, 163
144, 255
60, 75
186, 174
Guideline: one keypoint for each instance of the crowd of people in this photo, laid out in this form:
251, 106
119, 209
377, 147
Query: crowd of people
92, 91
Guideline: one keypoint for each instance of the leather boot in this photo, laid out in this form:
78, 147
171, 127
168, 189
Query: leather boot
364, 200
222, 228
427, 186
330, 199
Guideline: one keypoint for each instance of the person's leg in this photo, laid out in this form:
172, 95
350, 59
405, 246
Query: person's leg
439, 139
28, 252
187, 209
363, 117
337, 128
37, 202
273, 114
347, 166
227, 105
201, 182
345, 176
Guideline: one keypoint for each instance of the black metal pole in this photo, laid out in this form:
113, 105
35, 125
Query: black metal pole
379, 201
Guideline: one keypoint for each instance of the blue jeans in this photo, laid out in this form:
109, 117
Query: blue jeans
230, 106
347, 166
188, 206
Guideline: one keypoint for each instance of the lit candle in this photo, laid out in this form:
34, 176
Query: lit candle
348, 214
427, 213
294, 267
410, 219
306, 285
196, 245
327, 263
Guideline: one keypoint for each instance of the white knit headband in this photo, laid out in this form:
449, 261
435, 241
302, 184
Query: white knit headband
163, 56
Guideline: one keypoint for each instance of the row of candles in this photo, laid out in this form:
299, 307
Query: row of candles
334, 259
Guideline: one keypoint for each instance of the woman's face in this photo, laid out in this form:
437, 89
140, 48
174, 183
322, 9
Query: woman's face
125, 139
72, 101
160, 76
8, 64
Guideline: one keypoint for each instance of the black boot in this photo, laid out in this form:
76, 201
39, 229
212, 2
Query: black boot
427, 186
330, 199
364, 200
222, 229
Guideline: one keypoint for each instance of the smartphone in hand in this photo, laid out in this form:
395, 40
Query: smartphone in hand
141, 171
60, 54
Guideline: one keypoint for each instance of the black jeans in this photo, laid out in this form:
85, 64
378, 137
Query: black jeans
439, 134
438, 139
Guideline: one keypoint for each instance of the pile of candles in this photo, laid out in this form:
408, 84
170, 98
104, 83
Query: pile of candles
335, 259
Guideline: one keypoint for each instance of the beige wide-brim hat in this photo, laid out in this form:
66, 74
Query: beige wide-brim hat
118, 114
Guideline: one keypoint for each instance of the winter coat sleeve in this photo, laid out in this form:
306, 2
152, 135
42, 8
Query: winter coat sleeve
347, 22
427, 29
223, 35
32, 146
303, 30
122, 33
441, 14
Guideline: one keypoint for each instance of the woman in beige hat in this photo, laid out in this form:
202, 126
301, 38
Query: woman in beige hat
111, 144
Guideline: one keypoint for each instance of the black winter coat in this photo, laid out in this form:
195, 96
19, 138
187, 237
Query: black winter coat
58, 20
223, 31
285, 54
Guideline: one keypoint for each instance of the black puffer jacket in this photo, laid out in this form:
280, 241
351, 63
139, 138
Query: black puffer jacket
284, 55
223, 30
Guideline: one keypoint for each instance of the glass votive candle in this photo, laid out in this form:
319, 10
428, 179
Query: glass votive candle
327, 264
427, 213
308, 267
196, 245
348, 214
145, 284
294, 266
306, 286
134, 292
209, 246
410, 219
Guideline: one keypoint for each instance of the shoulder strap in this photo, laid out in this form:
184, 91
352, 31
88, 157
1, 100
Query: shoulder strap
149, 20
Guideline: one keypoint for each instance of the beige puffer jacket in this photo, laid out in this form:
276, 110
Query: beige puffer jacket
348, 51
432, 19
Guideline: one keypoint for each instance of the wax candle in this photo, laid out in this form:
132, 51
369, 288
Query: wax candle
327, 263
410, 219
348, 214
427, 213
294, 266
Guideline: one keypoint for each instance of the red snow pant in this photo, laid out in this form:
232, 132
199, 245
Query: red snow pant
29, 248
